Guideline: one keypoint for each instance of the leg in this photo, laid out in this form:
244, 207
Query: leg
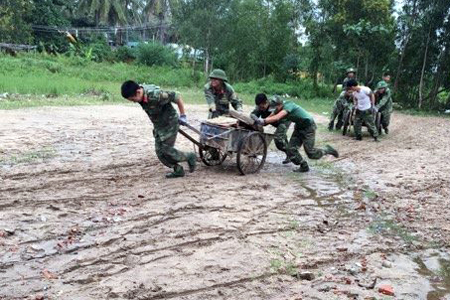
281, 141
358, 124
170, 156
385, 120
334, 114
295, 142
309, 141
370, 123
340, 116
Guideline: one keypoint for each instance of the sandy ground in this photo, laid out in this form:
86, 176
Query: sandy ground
86, 213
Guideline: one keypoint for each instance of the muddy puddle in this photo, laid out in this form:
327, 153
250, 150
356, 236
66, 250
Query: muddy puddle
96, 219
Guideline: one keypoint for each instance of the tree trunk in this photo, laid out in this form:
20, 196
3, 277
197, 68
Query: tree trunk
438, 77
402, 56
357, 65
194, 60
423, 70
206, 61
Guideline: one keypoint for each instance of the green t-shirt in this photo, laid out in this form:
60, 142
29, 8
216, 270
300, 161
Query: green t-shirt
297, 114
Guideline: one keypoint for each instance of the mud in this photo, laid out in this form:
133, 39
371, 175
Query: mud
86, 213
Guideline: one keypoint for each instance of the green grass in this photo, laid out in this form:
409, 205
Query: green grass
44, 80
28, 156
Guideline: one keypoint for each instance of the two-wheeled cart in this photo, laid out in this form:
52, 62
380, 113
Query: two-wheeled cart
217, 142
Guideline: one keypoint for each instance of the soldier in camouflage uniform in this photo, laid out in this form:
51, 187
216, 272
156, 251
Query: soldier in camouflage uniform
364, 101
383, 104
220, 94
263, 109
351, 74
341, 104
304, 133
158, 106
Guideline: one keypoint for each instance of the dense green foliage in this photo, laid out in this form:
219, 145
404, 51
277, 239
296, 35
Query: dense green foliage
279, 41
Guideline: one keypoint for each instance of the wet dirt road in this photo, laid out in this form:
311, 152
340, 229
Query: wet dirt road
86, 213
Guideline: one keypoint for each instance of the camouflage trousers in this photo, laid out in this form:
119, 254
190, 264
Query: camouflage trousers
167, 154
305, 137
280, 136
366, 117
338, 112
385, 118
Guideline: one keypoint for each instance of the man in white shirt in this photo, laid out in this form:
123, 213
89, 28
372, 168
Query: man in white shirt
364, 101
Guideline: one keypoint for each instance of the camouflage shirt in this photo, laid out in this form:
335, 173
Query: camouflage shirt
344, 100
384, 101
160, 111
221, 101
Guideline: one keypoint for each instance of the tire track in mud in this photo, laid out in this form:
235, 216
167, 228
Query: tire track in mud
189, 292
211, 218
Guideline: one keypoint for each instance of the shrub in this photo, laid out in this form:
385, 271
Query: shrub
155, 54
124, 54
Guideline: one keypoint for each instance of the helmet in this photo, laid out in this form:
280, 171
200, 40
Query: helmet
275, 100
350, 70
382, 84
218, 74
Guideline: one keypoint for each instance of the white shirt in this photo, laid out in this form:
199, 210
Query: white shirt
363, 97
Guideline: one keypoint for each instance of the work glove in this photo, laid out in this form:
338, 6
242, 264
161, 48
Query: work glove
213, 114
374, 109
260, 121
182, 120
254, 117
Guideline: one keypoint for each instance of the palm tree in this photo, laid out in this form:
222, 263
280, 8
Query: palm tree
105, 12
161, 9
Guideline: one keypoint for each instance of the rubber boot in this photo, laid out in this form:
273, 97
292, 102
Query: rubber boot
192, 161
178, 171
286, 160
331, 126
386, 130
303, 167
330, 150
339, 125
358, 138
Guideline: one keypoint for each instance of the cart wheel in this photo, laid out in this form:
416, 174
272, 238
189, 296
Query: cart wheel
251, 153
347, 122
211, 156
378, 122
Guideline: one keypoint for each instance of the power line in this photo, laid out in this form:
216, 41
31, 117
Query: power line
46, 28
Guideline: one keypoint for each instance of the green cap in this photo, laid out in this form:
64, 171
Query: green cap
351, 70
382, 84
218, 74
275, 100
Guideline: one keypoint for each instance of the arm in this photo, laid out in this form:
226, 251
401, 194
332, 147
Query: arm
210, 100
236, 102
275, 118
255, 113
386, 97
180, 104
372, 99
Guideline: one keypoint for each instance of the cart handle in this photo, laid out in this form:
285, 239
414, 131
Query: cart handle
190, 138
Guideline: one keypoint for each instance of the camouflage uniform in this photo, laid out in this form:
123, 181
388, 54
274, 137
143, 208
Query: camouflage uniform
340, 105
365, 117
384, 104
346, 79
282, 126
165, 126
220, 100
304, 134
